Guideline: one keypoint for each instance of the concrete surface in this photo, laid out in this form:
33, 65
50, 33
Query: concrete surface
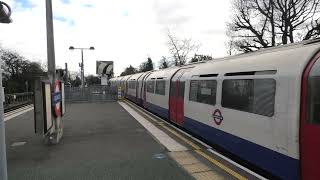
101, 141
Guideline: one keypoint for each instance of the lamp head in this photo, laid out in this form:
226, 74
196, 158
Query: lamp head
5, 13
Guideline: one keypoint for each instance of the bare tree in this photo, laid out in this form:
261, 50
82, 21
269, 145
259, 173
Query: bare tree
164, 63
180, 48
200, 57
265, 23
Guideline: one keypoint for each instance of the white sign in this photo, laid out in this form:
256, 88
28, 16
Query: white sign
104, 80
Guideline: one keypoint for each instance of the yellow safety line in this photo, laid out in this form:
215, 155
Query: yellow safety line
197, 149
181, 137
220, 165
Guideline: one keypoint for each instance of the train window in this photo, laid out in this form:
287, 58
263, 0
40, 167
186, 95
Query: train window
161, 87
150, 86
313, 99
203, 91
249, 95
132, 84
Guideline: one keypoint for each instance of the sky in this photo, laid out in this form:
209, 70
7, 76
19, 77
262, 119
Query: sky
124, 31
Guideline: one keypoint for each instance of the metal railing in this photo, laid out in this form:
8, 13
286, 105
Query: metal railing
17, 99
97, 93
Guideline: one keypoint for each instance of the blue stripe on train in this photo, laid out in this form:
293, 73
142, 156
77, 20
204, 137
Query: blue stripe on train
160, 111
272, 161
132, 98
276, 163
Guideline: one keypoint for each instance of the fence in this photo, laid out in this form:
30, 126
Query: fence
96, 93
16, 100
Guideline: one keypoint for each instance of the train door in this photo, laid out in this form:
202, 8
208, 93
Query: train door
137, 87
310, 121
143, 90
176, 98
127, 87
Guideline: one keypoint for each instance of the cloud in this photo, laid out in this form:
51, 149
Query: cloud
124, 31
125, 13
66, 1
214, 31
25, 4
170, 12
60, 18
88, 5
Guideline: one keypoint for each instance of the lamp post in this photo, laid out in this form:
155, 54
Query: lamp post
81, 64
5, 13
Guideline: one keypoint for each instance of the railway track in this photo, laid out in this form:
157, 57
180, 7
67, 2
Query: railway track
9, 109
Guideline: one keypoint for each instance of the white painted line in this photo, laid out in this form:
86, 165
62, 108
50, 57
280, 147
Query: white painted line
7, 118
18, 143
237, 165
152, 116
162, 137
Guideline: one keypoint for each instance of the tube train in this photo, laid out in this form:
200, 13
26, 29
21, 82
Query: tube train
262, 107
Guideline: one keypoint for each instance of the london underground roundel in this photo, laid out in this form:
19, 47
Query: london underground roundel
57, 99
217, 117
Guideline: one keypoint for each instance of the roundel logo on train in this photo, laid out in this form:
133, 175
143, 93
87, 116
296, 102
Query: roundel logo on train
217, 117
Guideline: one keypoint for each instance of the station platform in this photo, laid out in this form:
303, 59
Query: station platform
113, 140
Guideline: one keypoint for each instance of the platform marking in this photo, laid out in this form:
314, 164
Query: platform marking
162, 137
220, 165
18, 113
197, 149
162, 124
209, 148
237, 165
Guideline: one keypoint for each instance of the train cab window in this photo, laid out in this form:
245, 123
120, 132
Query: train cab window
313, 99
203, 91
250, 95
161, 87
150, 86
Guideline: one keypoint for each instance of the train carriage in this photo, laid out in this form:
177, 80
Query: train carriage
157, 91
261, 107
124, 85
134, 86
140, 94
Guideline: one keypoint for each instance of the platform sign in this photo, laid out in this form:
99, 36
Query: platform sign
104, 68
104, 80
56, 99
47, 101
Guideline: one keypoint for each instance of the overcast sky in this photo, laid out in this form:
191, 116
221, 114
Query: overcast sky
123, 31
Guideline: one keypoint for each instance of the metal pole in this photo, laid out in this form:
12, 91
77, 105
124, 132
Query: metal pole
56, 132
50, 42
67, 73
82, 70
3, 156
